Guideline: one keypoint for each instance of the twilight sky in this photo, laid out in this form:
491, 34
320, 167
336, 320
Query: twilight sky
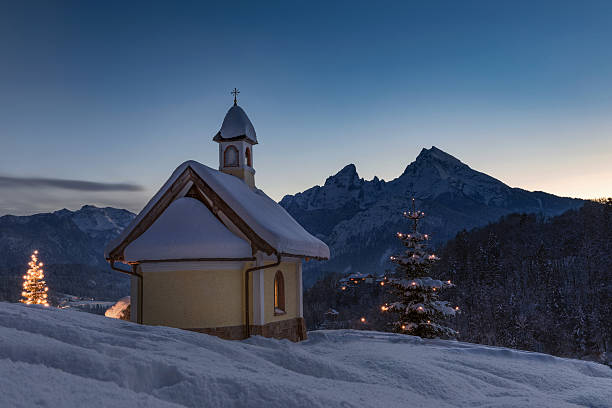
101, 101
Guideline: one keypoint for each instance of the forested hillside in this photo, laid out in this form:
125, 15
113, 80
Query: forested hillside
526, 282
536, 284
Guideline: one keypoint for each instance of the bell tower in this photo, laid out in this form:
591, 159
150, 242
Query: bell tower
236, 140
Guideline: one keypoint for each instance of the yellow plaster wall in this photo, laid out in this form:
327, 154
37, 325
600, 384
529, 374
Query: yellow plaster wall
213, 298
244, 173
194, 299
292, 308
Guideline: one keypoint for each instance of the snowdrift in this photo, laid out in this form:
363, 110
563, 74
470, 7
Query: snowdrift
62, 358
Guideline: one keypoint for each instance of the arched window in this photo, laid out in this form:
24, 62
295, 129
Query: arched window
279, 293
247, 155
230, 157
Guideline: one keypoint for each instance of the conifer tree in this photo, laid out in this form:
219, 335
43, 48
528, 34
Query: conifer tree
34, 287
415, 294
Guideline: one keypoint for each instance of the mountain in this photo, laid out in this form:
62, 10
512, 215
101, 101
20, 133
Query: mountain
357, 218
71, 244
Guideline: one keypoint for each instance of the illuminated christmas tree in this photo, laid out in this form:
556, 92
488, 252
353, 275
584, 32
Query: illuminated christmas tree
415, 294
34, 287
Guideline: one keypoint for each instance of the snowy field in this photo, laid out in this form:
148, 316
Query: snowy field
62, 358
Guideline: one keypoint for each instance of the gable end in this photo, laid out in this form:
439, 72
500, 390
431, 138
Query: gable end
189, 175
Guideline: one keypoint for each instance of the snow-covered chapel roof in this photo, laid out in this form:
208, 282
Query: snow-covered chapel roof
236, 125
187, 229
246, 212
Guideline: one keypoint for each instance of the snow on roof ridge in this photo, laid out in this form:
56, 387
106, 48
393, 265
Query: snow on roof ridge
265, 216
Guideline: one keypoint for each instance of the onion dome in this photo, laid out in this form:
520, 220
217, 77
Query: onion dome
236, 126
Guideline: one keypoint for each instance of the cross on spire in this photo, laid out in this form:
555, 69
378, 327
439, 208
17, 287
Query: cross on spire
235, 92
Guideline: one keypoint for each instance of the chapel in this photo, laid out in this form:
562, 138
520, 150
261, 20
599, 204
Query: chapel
212, 253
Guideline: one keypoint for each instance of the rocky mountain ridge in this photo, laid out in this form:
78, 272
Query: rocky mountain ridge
63, 237
357, 218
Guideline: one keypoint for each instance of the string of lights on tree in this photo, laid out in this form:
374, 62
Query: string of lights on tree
414, 294
34, 287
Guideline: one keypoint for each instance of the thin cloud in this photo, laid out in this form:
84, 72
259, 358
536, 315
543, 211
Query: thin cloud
78, 185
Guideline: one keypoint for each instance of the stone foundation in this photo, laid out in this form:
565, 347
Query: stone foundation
227, 332
292, 329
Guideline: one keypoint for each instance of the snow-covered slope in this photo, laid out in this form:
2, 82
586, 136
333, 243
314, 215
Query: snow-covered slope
59, 358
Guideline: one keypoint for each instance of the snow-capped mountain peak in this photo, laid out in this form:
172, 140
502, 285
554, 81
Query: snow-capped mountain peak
344, 178
357, 217
93, 220
438, 164
438, 155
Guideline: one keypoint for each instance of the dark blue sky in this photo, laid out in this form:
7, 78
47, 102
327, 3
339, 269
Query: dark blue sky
111, 92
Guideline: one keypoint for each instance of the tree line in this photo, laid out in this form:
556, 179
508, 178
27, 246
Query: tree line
527, 282
536, 284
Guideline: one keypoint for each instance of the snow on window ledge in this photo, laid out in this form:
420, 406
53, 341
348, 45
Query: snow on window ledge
279, 312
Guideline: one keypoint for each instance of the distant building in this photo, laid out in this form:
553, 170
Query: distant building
83, 304
360, 279
330, 321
